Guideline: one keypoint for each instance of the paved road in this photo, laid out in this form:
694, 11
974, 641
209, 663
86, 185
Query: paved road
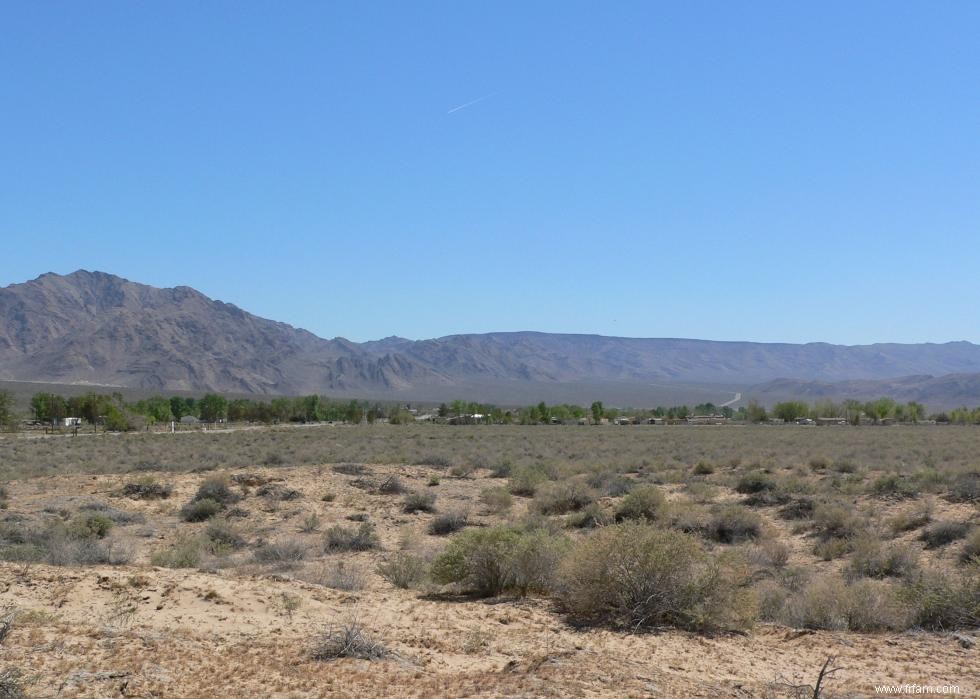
736, 399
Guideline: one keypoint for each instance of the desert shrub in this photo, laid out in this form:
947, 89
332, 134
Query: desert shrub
339, 576
434, 461
971, 548
703, 468
732, 524
12, 681
633, 575
943, 602
836, 522
419, 502
643, 502
495, 559
362, 538
273, 458
285, 552
200, 510
910, 519
222, 537
687, 518
798, 508
965, 487
358, 517
755, 482
771, 598
447, 523
346, 640
464, 470
185, 552
770, 553
609, 483
146, 488
818, 463
350, 469
828, 603
216, 489
93, 525
502, 469
391, 485
896, 485
403, 570
874, 559
525, 480
588, 518
943, 532
496, 500
560, 497
276, 491
534, 561
830, 549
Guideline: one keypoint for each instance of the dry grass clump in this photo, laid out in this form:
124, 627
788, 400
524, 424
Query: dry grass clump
347, 640
732, 524
971, 548
525, 480
277, 491
221, 537
81, 541
944, 532
945, 601
285, 553
497, 500
12, 682
338, 538
770, 553
391, 485
828, 603
493, 560
633, 575
965, 487
419, 502
338, 576
404, 570
911, 519
644, 502
873, 558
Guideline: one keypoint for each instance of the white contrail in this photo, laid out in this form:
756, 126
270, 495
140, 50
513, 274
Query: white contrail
470, 104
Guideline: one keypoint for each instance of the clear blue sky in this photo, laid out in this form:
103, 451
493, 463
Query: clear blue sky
758, 171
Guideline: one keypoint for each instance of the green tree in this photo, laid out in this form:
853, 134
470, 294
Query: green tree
7, 416
597, 411
213, 407
354, 413
754, 412
48, 407
790, 410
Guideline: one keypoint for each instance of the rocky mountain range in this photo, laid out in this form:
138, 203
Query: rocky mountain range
95, 328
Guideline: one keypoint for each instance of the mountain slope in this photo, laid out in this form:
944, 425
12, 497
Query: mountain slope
96, 328
90, 327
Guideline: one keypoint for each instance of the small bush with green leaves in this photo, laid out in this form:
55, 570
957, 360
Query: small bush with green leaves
419, 502
634, 575
200, 510
832, 521
185, 552
217, 489
404, 570
90, 526
525, 480
561, 497
965, 487
643, 502
222, 537
362, 538
497, 500
492, 560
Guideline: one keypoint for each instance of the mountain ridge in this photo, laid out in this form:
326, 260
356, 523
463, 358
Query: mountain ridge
98, 328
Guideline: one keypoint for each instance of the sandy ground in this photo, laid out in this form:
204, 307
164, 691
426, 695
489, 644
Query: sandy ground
246, 631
